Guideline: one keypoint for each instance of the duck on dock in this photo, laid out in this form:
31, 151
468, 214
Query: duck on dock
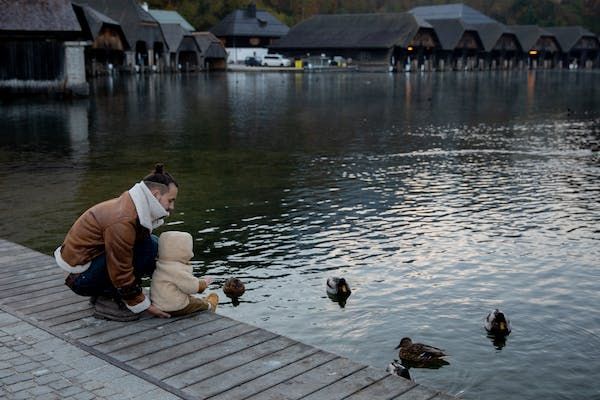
396, 368
420, 355
497, 324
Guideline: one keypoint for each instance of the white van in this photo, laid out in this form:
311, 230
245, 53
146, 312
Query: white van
276, 60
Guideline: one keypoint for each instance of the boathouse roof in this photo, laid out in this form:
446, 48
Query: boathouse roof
136, 22
210, 46
173, 34
94, 21
529, 35
250, 22
570, 36
40, 16
171, 17
490, 33
353, 31
452, 11
450, 31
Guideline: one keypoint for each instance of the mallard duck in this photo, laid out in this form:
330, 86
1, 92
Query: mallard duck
233, 288
496, 323
338, 287
396, 368
420, 355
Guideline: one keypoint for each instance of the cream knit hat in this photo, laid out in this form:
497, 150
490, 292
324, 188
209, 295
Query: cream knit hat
175, 246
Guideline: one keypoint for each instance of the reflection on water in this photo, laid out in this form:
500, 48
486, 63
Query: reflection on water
438, 197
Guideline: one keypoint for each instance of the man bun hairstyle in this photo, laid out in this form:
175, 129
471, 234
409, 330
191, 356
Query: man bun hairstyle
159, 179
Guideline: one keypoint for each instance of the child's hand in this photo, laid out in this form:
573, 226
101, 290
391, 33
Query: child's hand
208, 280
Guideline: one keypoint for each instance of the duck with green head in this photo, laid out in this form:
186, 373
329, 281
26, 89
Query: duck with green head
497, 324
338, 290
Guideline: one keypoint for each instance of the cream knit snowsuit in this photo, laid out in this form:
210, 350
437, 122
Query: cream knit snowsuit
173, 281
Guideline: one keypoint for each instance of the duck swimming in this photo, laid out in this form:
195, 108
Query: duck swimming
338, 287
233, 288
396, 368
338, 290
496, 323
420, 355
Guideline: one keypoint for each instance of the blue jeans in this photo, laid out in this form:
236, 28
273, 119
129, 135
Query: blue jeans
95, 281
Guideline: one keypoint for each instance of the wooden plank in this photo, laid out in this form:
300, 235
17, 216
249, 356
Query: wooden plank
250, 371
165, 327
59, 311
387, 388
32, 287
93, 326
275, 377
25, 265
310, 381
348, 385
69, 317
32, 295
149, 353
20, 276
34, 283
90, 326
14, 259
63, 300
123, 331
48, 299
418, 393
443, 396
223, 344
232, 361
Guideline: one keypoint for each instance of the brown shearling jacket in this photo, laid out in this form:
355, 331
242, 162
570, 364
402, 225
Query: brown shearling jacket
112, 227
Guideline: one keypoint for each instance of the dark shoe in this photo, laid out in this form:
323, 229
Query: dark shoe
107, 308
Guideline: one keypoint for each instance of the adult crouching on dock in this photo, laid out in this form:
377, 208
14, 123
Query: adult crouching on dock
110, 247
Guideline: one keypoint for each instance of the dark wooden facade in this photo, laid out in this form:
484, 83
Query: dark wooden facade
41, 48
580, 47
147, 47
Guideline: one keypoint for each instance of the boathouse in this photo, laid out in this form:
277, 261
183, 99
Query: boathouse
41, 48
184, 53
460, 44
541, 48
248, 33
107, 42
147, 44
501, 46
370, 41
460, 29
213, 56
581, 48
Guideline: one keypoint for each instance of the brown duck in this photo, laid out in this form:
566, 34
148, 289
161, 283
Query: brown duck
420, 355
233, 288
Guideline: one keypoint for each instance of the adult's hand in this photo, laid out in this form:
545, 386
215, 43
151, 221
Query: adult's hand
157, 312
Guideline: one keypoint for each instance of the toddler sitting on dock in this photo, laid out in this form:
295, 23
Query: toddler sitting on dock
173, 284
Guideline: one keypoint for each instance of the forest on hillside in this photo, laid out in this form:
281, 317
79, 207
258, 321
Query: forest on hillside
204, 14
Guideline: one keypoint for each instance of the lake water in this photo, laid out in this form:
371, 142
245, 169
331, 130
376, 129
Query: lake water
438, 197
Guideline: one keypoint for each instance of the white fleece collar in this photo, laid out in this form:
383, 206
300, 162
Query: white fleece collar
149, 210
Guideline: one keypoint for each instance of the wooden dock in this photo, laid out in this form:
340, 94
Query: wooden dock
205, 356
